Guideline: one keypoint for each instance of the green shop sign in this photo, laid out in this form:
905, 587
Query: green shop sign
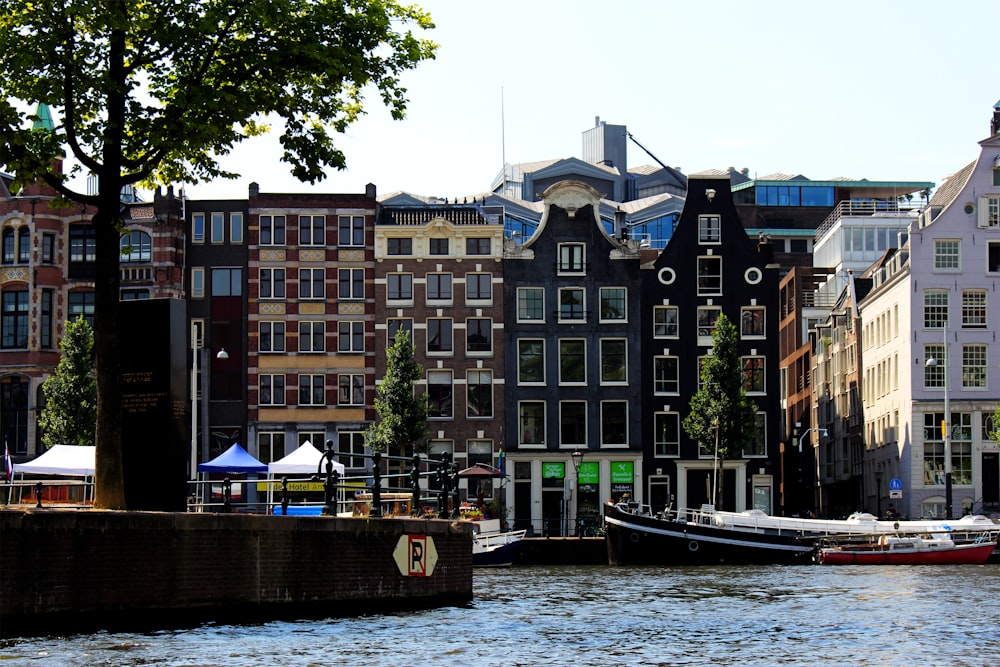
553, 470
622, 472
590, 472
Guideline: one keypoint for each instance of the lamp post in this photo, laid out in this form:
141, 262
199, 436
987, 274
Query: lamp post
715, 461
945, 428
823, 432
577, 462
197, 349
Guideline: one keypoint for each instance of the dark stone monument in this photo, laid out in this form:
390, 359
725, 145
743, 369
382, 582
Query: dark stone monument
153, 349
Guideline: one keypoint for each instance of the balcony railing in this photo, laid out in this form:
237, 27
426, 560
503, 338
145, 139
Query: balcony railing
849, 208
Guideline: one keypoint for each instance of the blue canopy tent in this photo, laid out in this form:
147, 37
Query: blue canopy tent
233, 461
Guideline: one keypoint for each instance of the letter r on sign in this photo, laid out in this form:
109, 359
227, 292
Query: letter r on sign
418, 559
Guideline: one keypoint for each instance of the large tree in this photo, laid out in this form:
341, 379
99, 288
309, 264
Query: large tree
402, 413
153, 91
721, 414
70, 413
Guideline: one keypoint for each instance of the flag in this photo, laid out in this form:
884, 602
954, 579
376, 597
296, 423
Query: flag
8, 466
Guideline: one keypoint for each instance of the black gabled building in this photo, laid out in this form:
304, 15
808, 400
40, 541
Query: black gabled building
572, 313
710, 266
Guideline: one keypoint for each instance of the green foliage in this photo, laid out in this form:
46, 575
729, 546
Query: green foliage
402, 422
995, 434
70, 413
722, 399
175, 84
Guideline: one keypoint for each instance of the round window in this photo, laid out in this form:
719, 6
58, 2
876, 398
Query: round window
753, 276
667, 276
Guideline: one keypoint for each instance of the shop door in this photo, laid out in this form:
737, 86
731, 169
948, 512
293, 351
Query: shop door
553, 513
991, 482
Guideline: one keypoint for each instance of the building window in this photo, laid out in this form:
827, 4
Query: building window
351, 389
614, 423
439, 287
710, 276
666, 375
479, 393
708, 318
709, 229
974, 367
227, 282
24, 246
933, 449
351, 449
439, 335
312, 230
759, 446
45, 339
271, 336
272, 230
312, 390
399, 286
8, 245
272, 389
614, 368
935, 309
478, 335
531, 361
993, 256
993, 205
613, 304
573, 423
477, 246
15, 319
572, 304
133, 294
82, 244
974, 309
218, 229
399, 246
479, 287
753, 375
351, 284
312, 336
48, 248
666, 434
350, 337
572, 361
665, 321
236, 227
270, 446
135, 247
947, 254
197, 282
81, 304
439, 394
530, 304
351, 230
312, 283
752, 322
197, 228
438, 246
272, 283
571, 258
531, 422
394, 324
934, 373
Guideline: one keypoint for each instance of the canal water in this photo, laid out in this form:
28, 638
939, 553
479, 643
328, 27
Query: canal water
793, 615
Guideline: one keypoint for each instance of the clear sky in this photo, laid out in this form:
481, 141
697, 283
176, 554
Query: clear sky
876, 89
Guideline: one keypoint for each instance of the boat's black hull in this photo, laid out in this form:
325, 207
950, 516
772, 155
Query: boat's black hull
643, 540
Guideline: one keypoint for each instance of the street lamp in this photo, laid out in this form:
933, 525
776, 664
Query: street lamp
577, 457
822, 431
197, 349
945, 430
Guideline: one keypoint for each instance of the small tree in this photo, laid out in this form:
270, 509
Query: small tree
721, 414
402, 414
70, 413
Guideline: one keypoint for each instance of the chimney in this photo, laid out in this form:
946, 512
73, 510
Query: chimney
995, 123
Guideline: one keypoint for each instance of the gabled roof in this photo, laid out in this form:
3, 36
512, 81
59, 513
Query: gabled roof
953, 185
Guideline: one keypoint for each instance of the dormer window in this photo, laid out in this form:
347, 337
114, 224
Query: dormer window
709, 229
571, 258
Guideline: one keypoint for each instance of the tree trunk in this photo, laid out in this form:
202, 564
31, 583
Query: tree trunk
109, 492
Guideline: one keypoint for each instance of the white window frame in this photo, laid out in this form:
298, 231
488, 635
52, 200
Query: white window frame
275, 331
583, 305
536, 442
307, 277
520, 343
709, 283
710, 230
671, 385
307, 333
348, 227
947, 255
272, 278
571, 259
624, 357
311, 242
563, 421
311, 399
348, 277
522, 294
348, 330
662, 323
623, 291
583, 355
353, 394
271, 380
663, 448
267, 223
605, 406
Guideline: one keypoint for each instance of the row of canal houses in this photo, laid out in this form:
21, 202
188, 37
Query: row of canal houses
560, 319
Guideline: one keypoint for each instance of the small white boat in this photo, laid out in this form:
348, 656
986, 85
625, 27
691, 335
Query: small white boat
932, 549
492, 546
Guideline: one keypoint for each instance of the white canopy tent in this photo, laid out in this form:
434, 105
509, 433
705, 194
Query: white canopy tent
62, 461
304, 461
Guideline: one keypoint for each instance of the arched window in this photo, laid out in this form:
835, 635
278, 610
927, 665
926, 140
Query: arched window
14, 412
24, 246
136, 247
8, 245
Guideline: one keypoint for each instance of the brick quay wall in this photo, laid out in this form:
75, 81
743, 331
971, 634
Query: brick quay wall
78, 571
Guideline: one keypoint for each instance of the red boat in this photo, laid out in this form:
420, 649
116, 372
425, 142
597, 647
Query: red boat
908, 550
